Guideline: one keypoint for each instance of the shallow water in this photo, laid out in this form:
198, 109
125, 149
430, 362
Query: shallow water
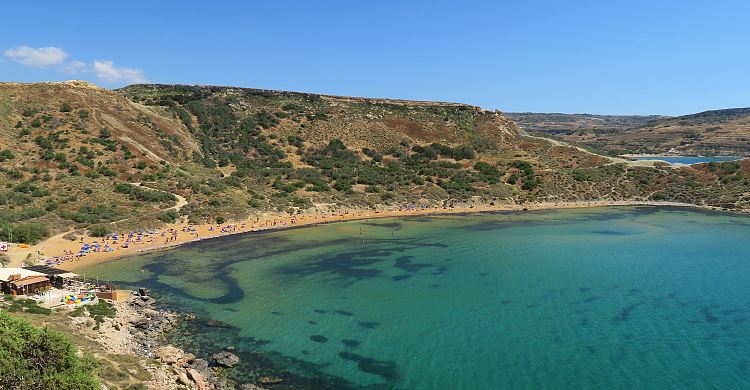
689, 160
589, 298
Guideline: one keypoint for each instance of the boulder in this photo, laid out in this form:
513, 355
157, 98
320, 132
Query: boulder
182, 379
201, 366
196, 377
250, 386
187, 359
226, 359
218, 324
168, 354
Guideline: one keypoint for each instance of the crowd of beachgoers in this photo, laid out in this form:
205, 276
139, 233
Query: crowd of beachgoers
154, 237
87, 250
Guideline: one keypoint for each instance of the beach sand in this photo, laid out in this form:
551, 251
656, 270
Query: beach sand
57, 245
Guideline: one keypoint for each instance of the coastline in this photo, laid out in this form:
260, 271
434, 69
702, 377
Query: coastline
57, 245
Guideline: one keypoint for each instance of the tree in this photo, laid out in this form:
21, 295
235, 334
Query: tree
34, 358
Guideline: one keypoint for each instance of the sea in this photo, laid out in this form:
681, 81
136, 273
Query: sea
597, 298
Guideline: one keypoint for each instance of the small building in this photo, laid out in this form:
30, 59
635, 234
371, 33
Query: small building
57, 277
19, 281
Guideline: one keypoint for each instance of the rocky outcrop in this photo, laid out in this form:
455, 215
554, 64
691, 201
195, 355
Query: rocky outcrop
137, 330
226, 359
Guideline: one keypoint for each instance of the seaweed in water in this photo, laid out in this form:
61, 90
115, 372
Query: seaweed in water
318, 338
708, 314
350, 343
369, 324
385, 369
344, 313
626, 312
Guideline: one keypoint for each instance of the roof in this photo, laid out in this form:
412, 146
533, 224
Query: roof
30, 280
5, 273
47, 270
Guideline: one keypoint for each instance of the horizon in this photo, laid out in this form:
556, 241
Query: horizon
641, 59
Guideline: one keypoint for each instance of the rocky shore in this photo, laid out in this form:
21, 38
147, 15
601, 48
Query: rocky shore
137, 329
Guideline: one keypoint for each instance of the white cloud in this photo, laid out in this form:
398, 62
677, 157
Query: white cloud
39, 57
107, 71
76, 67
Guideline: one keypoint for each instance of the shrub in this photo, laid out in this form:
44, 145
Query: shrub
168, 216
65, 107
99, 230
6, 155
28, 233
34, 358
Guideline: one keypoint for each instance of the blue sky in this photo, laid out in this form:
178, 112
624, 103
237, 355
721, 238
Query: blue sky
636, 57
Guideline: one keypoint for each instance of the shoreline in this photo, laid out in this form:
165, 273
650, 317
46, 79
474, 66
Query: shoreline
58, 246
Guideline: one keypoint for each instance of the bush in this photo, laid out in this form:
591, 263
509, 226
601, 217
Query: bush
34, 358
6, 155
65, 107
28, 233
168, 216
99, 230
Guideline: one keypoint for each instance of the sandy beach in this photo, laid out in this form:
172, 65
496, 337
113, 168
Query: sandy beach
66, 252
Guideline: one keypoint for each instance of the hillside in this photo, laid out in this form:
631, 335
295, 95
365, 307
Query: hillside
709, 133
76, 156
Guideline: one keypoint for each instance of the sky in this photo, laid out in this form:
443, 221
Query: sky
601, 57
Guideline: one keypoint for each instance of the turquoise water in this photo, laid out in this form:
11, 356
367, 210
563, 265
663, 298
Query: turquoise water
585, 299
689, 160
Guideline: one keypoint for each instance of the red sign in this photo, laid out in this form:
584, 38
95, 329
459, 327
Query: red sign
3, 246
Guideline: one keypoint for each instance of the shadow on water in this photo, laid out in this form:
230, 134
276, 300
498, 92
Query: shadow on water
293, 373
353, 265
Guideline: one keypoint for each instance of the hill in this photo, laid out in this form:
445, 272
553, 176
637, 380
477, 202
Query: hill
710, 133
77, 156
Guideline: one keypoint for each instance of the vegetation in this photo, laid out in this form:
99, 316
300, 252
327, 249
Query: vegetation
233, 153
98, 312
33, 358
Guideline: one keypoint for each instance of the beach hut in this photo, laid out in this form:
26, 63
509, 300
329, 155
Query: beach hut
20, 281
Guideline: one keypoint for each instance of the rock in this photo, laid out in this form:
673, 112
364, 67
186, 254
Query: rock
270, 380
226, 359
182, 379
190, 317
196, 377
218, 324
201, 366
168, 354
144, 291
187, 359
250, 386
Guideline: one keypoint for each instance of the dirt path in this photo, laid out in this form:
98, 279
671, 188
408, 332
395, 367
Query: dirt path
612, 160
